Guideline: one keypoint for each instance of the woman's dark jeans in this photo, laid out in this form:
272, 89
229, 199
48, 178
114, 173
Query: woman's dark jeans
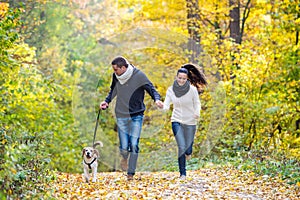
184, 135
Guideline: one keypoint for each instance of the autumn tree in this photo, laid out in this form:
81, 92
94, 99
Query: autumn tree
27, 107
193, 27
56, 70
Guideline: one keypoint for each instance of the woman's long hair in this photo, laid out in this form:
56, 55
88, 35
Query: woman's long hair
196, 76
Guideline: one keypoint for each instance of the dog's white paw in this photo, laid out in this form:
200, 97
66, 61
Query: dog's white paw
94, 180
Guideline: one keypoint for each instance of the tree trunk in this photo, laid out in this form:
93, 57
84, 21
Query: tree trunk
234, 25
193, 20
297, 31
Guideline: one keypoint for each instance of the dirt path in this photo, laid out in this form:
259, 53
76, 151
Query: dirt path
201, 184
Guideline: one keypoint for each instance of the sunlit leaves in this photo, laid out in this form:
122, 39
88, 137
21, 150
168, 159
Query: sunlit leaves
155, 13
260, 74
8, 22
261, 78
3, 9
28, 107
226, 183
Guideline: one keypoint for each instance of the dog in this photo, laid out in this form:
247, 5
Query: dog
90, 161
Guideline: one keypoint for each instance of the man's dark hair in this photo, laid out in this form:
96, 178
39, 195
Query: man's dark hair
120, 61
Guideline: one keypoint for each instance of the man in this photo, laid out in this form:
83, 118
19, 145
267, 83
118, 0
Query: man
129, 85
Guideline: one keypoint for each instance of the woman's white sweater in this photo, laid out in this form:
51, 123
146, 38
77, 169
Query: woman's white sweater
186, 109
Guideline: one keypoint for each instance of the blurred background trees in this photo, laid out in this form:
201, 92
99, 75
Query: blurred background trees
55, 66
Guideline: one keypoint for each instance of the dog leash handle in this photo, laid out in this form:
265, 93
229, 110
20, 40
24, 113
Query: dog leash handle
97, 121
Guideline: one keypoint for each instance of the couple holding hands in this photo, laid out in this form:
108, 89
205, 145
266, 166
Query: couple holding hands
129, 85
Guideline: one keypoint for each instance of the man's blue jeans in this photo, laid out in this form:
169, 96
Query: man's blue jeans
184, 135
129, 131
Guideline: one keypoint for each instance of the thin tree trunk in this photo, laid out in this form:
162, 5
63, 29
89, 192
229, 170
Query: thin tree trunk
297, 31
235, 21
245, 16
193, 20
253, 127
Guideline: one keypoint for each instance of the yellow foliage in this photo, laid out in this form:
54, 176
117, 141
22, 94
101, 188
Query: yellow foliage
3, 9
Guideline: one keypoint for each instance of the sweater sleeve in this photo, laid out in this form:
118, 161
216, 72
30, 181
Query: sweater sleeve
148, 86
196, 102
112, 93
167, 101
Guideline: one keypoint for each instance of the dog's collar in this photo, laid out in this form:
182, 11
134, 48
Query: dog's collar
89, 164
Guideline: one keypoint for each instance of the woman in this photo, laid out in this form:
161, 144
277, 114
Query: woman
184, 94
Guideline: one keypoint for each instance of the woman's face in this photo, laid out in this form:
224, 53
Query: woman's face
181, 78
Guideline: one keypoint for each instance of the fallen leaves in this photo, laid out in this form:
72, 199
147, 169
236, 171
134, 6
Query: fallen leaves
225, 183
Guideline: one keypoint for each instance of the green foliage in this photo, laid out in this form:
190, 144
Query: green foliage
24, 163
25, 103
259, 77
30, 102
8, 34
270, 164
56, 69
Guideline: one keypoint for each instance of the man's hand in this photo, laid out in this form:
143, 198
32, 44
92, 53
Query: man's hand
159, 103
103, 105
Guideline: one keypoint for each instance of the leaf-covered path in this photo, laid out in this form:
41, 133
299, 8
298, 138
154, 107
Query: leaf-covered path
227, 183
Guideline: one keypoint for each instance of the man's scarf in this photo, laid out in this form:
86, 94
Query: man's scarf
126, 75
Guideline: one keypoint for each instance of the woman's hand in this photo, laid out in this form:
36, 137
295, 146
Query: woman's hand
159, 103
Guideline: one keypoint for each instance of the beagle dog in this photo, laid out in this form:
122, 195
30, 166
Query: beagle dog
90, 161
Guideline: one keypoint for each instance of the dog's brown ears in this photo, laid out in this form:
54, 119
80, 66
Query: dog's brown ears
83, 150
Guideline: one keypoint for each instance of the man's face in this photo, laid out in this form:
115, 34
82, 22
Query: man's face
119, 70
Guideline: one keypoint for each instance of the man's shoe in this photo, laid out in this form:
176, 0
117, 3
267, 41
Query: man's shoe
129, 177
124, 164
182, 177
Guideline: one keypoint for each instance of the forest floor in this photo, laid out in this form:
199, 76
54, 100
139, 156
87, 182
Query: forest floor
206, 183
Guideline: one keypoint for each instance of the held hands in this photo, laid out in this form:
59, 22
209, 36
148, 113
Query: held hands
159, 103
196, 116
103, 105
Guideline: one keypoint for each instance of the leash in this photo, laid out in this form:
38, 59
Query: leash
97, 122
